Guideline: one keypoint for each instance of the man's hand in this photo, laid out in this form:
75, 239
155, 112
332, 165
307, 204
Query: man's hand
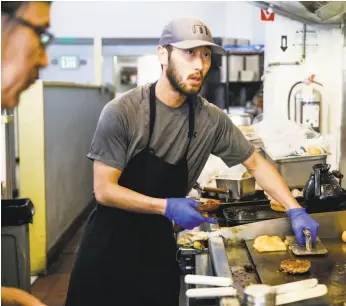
17, 297
183, 212
301, 220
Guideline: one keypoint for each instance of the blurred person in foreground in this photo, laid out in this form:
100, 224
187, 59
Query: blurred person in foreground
24, 38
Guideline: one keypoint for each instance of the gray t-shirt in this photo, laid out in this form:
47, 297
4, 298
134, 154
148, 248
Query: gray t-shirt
123, 131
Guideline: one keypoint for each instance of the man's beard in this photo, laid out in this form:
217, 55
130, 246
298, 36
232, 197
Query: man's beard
175, 81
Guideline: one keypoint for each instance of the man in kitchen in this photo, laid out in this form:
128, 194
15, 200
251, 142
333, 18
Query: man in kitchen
24, 38
148, 150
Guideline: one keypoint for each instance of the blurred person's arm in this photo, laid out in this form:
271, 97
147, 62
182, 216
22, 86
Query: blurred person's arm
17, 297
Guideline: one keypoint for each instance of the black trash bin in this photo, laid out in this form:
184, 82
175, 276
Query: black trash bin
16, 215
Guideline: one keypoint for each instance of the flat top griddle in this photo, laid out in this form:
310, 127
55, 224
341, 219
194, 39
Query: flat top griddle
329, 269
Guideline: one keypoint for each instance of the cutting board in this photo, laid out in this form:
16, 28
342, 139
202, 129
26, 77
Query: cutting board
329, 269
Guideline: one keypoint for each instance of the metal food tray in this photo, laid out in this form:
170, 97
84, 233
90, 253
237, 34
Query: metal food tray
295, 170
191, 251
251, 211
251, 214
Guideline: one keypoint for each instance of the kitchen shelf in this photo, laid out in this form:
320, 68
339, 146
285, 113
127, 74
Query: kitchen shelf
245, 53
244, 82
244, 49
236, 84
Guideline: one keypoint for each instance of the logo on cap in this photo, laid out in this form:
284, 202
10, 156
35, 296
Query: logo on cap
200, 29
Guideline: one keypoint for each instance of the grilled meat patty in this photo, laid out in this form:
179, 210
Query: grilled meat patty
208, 206
295, 266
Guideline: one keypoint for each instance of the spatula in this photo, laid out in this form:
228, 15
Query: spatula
309, 248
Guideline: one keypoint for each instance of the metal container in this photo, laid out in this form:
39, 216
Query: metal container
243, 119
259, 295
295, 170
238, 188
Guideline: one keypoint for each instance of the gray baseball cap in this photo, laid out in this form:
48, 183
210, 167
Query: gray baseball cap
188, 33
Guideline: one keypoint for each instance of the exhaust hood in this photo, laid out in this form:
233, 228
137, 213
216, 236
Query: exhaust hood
309, 12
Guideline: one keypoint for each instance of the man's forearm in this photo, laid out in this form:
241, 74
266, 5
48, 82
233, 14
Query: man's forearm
114, 195
272, 182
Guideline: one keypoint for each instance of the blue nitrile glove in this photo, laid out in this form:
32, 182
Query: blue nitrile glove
301, 220
183, 212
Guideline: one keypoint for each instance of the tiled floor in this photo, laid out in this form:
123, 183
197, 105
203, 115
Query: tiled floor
52, 288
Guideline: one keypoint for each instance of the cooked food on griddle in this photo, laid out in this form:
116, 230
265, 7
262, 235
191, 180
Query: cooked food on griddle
195, 240
208, 206
276, 206
296, 193
343, 236
198, 245
269, 244
295, 266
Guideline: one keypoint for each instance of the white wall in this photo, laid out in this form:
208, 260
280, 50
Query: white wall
138, 19
243, 20
324, 61
130, 18
134, 19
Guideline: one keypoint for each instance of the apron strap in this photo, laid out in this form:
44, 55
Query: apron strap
152, 115
152, 110
191, 101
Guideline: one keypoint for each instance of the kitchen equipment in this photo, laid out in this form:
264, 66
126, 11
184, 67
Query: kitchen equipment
309, 248
243, 119
211, 292
255, 208
322, 267
232, 255
238, 187
259, 295
253, 63
215, 190
255, 294
323, 188
301, 295
295, 170
247, 75
221, 193
208, 280
236, 215
308, 107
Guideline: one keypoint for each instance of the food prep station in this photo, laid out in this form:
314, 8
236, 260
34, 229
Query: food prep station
230, 254
246, 212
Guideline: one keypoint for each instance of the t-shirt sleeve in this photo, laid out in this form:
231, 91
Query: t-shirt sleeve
110, 141
230, 143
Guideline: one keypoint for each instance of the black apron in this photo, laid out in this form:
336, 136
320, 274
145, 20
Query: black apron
129, 258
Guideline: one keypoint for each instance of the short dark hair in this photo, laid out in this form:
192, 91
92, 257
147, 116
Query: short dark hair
11, 7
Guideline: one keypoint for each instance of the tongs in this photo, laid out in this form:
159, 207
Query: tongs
286, 293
